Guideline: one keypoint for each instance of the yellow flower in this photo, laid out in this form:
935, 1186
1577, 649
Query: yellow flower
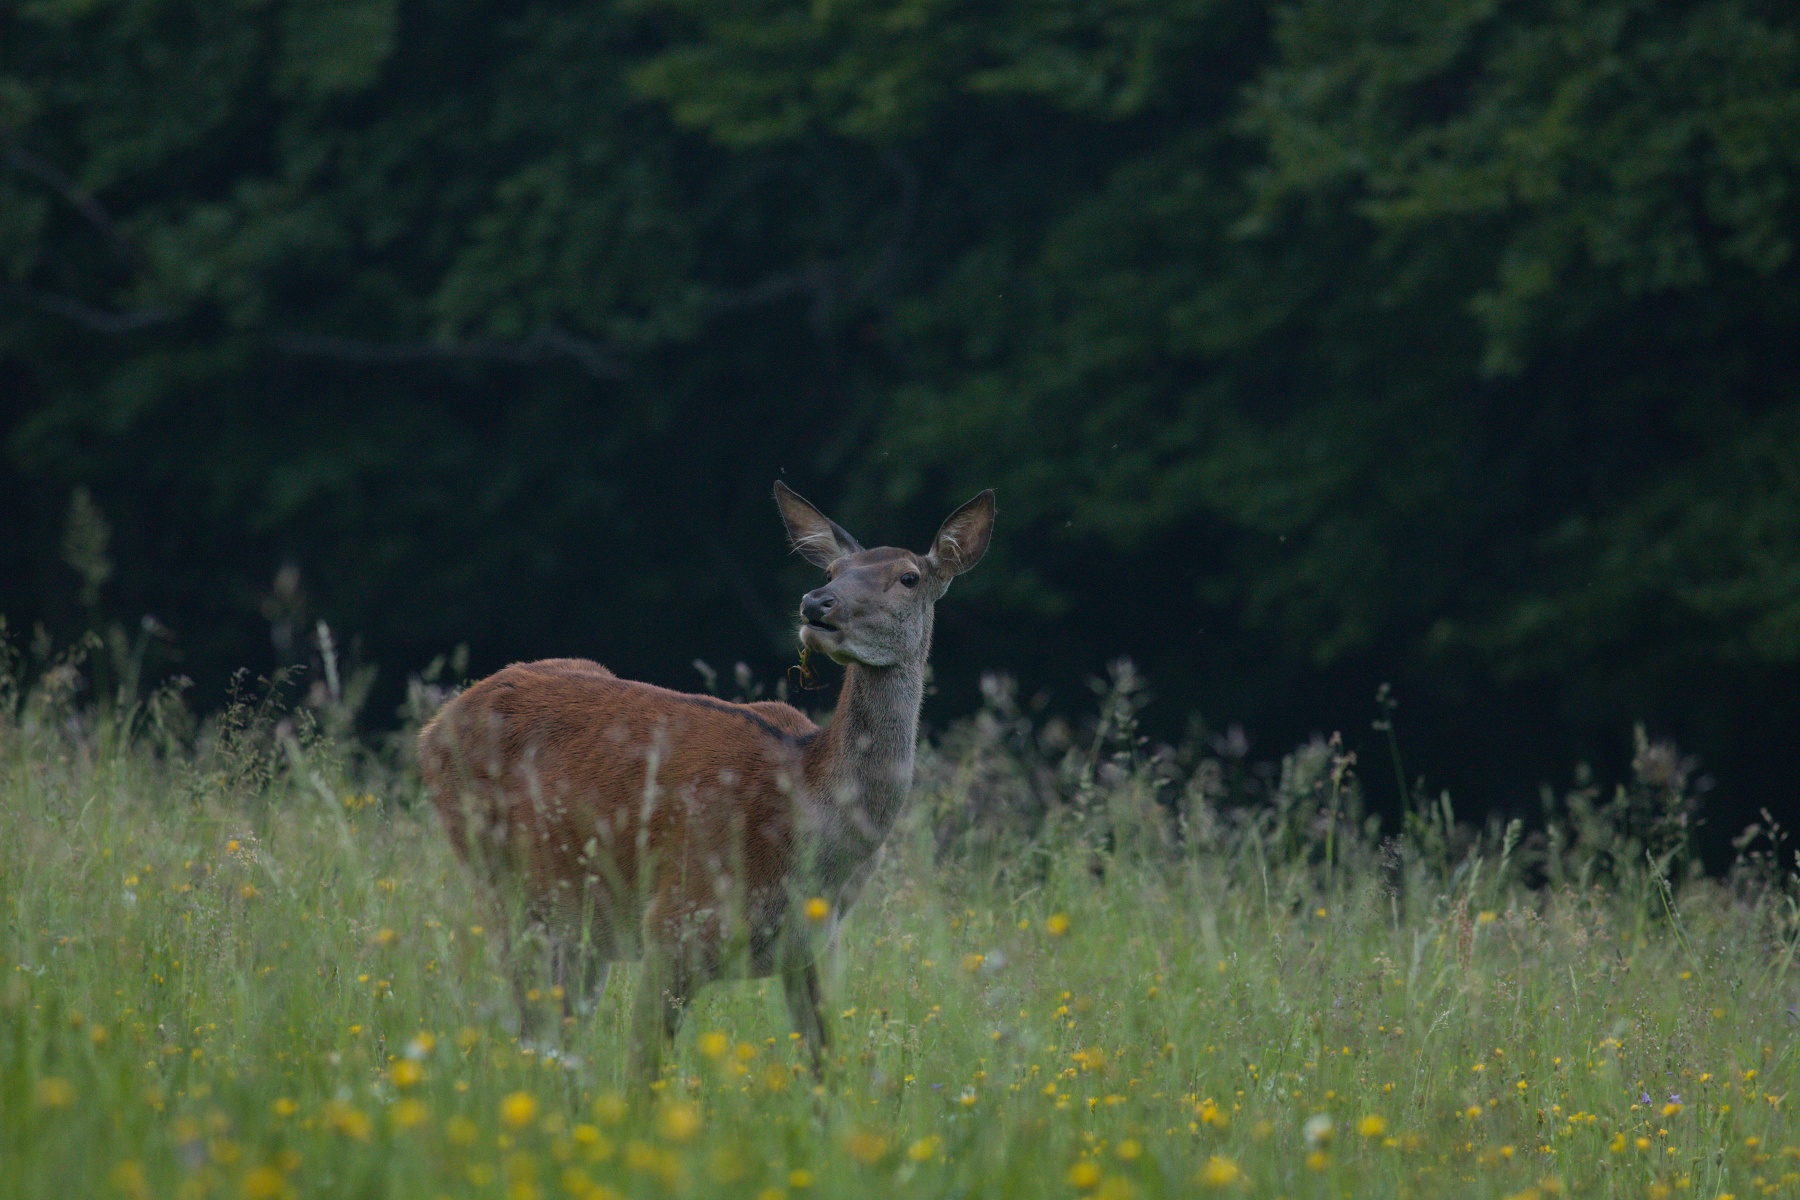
867, 1147
55, 1093
517, 1110
1487, 918
1219, 1172
1057, 925
610, 1109
264, 1183
1129, 1149
1372, 1126
799, 1179
972, 962
678, 1121
817, 909
408, 1114
1318, 1160
925, 1149
1084, 1175
1670, 1109
714, 1045
406, 1073
351, 1122
285, 1107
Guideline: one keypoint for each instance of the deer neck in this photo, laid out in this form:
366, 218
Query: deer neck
860, 768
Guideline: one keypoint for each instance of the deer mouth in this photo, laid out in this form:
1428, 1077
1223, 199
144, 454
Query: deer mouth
812, 623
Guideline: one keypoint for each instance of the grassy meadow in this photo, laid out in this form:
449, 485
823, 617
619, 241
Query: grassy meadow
238, 959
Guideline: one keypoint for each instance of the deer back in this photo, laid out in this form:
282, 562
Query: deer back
604, 800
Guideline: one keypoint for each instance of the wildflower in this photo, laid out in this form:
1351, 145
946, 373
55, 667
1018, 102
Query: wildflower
714, 1045
1057, 925
284, 1107
1671, 1108
972, 962
1372, 1126
1084, 1175
264, 1183
55, 1093
1219, 1172
867, 1147
518, 1109
1129, 1149
679, 1121
1487, 917
817, 909
925, 1149
408, 1114
800, 1179
460, 1131
1317, 1130
1318, 1160
610, 1109
406, 1073
423, 1043
349, 1121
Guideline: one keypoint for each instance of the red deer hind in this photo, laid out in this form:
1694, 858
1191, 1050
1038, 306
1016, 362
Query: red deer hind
634, 821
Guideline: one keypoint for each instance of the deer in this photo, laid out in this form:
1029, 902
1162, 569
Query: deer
702, 837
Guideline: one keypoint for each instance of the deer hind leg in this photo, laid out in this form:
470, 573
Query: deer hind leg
580, 971
656, 1013
800, 983
523, 951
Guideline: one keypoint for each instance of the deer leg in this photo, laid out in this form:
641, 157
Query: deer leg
521, 954
800, 983
581, 973
656, 1014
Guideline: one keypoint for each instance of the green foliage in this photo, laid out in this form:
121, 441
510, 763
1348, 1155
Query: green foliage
1451, 335
242, 960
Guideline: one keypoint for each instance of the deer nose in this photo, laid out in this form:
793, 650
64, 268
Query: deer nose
814, 606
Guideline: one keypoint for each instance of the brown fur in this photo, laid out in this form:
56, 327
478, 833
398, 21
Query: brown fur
630, 820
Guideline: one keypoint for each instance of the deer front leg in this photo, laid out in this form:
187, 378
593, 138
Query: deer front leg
800, 983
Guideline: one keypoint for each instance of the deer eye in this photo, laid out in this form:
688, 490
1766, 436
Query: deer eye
910, 579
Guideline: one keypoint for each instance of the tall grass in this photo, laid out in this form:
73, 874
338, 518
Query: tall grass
239, 959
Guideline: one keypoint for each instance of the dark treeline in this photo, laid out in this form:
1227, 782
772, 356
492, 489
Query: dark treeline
1310, 346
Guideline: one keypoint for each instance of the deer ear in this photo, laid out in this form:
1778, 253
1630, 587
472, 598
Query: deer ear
963, 537
815, 537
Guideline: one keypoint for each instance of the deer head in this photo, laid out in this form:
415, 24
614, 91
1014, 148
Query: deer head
876, 608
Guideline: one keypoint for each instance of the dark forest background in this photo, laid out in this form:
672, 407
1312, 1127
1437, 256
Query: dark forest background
1310, 346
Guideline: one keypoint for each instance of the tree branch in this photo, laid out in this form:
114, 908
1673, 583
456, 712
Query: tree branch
78, 197
98, 319
598, 359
